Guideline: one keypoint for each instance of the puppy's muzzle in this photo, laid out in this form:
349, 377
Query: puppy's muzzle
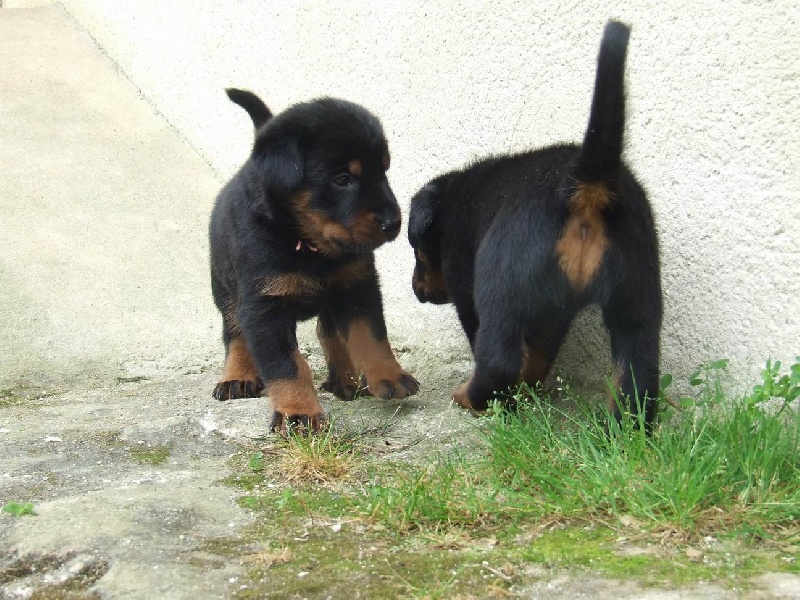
390, 226
426, 290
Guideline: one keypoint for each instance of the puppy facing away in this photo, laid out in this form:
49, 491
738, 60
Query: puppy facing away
521, 243
292, 236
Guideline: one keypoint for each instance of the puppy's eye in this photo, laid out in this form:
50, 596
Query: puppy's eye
343, 180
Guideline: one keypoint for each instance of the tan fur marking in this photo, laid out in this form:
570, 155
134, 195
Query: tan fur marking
372, 357
386, 162
319, 230
616, 377
461, 397
337, 357
295, 396
366, 230
535, 367
231, 320
428, 281
352, 273
355, 167
331, 230
290, 285
239, 365
583, 241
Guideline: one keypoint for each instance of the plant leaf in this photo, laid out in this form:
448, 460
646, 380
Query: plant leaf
719, 364
19, 508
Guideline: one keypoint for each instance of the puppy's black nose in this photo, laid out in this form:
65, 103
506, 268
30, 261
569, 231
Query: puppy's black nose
390, 226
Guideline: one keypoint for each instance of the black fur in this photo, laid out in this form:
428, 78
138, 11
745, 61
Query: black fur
521, 243
292, 236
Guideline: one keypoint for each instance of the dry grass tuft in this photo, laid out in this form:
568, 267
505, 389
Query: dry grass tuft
269, 557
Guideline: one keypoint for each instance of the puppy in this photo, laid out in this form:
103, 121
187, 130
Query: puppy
521, 243
292, 236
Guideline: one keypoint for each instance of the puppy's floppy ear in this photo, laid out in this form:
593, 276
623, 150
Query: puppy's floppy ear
423, 213
280, 162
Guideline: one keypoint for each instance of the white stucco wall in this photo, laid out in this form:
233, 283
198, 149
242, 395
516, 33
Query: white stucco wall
713, 132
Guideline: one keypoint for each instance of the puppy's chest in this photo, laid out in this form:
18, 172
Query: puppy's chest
307, 291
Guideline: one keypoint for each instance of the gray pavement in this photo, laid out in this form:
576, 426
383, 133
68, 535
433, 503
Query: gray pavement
107, 334
103, 210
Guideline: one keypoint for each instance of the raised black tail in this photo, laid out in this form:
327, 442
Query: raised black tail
601, 153
257, 110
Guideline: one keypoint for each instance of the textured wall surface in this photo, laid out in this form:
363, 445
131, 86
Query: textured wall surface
712, 131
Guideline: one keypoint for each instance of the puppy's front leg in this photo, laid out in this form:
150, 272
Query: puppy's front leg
372, 355
272, 339
358, 314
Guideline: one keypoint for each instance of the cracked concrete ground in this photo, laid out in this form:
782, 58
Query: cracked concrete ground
109, 345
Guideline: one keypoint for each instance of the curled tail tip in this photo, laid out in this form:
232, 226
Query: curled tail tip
255, 107
233, 93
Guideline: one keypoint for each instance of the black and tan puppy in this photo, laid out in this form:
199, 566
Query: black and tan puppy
521, 243
292, 236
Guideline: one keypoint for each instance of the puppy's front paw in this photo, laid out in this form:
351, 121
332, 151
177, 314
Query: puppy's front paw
238, 388
284, 424
392, 385
295, 406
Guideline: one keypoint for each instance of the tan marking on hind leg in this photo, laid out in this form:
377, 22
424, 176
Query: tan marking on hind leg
342, 375
239, 363
535, 367
616, 378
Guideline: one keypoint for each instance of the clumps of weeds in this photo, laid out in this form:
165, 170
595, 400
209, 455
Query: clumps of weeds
717, 464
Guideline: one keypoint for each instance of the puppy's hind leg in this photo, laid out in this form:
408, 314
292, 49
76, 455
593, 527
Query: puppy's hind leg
240, 378
343, 380
541, 345
358, 314
635, 332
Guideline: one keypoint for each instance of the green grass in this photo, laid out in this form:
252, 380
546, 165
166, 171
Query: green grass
24, 392
715, 466
713, 495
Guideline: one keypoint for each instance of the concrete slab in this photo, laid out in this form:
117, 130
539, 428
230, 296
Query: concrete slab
106, 325
104, 211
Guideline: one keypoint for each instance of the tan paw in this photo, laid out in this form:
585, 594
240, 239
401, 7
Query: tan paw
398, 384
461, 397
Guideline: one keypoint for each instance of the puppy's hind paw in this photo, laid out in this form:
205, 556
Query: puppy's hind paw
344, 389
461, 397
230, 390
